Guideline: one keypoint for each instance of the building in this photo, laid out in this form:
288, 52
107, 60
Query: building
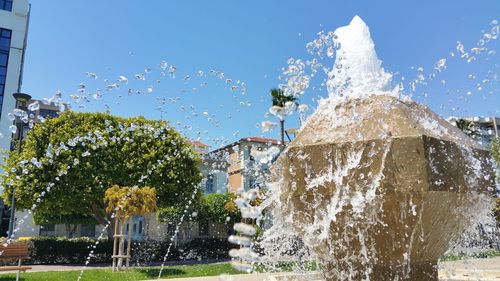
232, 168
14, 17
246, 161
487, 128
28, 228
214, 170
42, 112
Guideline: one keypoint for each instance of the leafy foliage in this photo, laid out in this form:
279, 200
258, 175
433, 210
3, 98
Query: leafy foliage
279, 98
495, 150
130, 201
215, 207
68, 162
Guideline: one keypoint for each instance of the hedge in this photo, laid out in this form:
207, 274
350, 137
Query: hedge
61, 250
152, 251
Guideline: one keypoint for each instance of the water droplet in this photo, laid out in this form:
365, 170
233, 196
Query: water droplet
13, 129
91, 75
34, 106
330, 52
123, 79
267, 126
19, 112
163, 65
440, 65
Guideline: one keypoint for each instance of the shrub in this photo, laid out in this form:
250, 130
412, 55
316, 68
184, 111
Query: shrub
61, 250
150, 251
209, 248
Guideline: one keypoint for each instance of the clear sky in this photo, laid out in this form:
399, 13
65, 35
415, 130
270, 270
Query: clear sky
249, 41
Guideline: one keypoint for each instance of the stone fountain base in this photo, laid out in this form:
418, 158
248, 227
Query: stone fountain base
384, 196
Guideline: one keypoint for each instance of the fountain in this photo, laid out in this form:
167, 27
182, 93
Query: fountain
377, 185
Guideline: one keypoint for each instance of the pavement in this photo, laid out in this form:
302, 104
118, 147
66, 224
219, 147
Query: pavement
471, 269
463, 270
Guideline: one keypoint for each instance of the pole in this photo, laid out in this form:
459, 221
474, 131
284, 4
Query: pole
115, 244
282, 123
13, 203
129, 242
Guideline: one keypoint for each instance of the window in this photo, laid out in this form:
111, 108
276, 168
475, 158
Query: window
5, 36
6, 5
209, 185
48, 113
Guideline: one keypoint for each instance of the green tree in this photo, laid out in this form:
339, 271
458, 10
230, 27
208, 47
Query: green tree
215, 207
495, 150
280, 99
127, 202
79, 155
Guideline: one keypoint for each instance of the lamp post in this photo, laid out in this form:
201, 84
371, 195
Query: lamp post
21, 100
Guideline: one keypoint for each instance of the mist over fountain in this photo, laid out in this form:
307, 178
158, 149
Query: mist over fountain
377, 186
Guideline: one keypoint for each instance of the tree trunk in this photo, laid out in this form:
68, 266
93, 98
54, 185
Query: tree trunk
129, 241
102, 218
71, 229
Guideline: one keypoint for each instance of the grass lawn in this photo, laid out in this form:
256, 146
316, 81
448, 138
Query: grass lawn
133, 274
462, 256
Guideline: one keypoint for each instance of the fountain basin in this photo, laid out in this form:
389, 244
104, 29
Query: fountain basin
383, 196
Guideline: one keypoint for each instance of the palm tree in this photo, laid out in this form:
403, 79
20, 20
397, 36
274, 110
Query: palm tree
467, 127
279, 98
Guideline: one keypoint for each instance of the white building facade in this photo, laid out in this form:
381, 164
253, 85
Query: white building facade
487, 128
14, 15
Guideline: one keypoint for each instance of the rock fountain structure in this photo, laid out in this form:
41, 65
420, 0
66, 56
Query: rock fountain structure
377, 185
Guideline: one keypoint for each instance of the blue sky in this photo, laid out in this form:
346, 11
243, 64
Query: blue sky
249, 41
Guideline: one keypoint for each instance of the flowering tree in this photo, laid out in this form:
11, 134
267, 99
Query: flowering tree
124, 203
